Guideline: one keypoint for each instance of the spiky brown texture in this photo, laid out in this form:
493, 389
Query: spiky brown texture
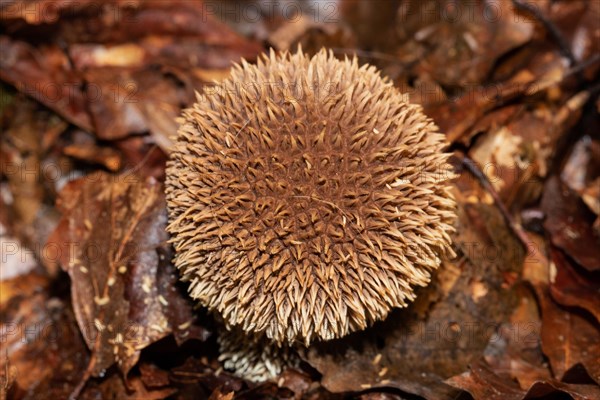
254, 357
307, 198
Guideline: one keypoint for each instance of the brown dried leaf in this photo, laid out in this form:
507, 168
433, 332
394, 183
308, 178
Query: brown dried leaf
135, 101
22, 151
537, 266
153, 377
591, 196
196, 379
569, 222
515, 349
140, 391
121, 21
143, 157
515, 155
37, 12
461, 41
113, 387
218, 395
578, 22
92, 153
105, 78
483, 384
568, 338
42, 350
114, 248
43, 73
456, 116
572, 288
554, 388
470, 112
582, 165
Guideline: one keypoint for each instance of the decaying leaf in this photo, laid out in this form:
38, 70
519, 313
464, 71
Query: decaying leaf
92, 86
113, 245
467, 47
573, 287
121, 69
569, 222
41, 344
483, 384
569, 338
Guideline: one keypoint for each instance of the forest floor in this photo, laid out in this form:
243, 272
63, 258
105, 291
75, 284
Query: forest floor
90, 93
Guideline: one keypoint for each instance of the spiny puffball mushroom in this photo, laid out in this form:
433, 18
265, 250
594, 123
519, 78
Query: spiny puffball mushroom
307, 198
254, 357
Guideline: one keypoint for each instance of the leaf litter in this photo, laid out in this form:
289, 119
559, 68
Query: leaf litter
90, 304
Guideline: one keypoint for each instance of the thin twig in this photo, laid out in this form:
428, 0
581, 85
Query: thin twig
472, 167
142, 162
84, 379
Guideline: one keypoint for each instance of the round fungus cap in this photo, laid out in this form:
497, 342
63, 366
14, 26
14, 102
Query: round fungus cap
307, 197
